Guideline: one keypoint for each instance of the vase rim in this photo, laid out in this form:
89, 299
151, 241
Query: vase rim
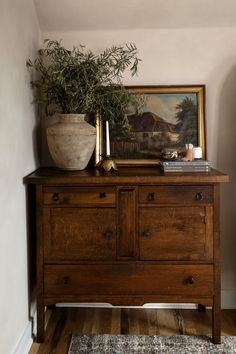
71, 117
71, 114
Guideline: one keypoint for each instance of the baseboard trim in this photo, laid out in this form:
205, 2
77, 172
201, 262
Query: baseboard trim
24, 344
26, 340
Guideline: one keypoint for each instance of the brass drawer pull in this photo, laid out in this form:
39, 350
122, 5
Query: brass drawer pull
66, 280
190, 280
199, 196
146, 233
102, 195
151, 196
108, 234
55, 197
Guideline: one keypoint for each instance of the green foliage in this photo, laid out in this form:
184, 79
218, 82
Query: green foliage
187, 121
79, 81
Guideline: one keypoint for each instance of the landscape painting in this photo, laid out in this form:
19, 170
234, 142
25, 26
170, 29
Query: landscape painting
170, 118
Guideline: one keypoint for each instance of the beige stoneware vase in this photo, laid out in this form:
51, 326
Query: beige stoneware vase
71, 141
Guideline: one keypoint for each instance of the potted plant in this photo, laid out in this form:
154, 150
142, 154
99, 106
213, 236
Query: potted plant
75, 82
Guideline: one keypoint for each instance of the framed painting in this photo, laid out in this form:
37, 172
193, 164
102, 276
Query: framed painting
171, 117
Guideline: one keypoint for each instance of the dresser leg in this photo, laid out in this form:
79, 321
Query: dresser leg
216, 321
40, 322
201, 308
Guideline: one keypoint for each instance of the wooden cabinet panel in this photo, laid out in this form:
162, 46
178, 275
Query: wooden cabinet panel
64, 196
129, 236
129, 279
79, 234
176, 233
127, 239
175, 194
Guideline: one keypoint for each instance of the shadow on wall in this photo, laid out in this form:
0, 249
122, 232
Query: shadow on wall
30, 191
36, 138
226, 162
46, 159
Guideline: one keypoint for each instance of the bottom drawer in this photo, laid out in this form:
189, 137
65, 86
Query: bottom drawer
128, 279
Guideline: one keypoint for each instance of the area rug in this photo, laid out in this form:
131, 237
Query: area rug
149, 344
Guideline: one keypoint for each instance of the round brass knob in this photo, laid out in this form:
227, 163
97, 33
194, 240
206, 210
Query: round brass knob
199, 196
190, 280
55, 197
102, 195
66, 280
108, 234
146, 232
151, 196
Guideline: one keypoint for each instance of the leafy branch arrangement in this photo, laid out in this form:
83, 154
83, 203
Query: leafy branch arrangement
79, 81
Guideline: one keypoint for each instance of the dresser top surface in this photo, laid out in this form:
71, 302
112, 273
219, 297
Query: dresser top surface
134, 175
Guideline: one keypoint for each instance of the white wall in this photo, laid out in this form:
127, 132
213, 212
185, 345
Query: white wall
189, 56
19, 38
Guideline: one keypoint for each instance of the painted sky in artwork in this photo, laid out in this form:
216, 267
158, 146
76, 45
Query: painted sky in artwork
164, 104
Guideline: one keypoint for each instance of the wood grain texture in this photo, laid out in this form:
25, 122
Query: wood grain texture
216, 311
128, 237
124, 175
176, 233
175, 194
76, 196
66, 321
73, 234
128, 279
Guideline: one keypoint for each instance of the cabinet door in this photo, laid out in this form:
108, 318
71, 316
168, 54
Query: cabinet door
79, 234
176, 233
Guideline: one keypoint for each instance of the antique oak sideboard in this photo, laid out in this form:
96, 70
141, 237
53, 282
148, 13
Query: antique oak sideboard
130, 237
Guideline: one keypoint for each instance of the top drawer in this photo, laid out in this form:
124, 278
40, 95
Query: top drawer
175, 194
101, 196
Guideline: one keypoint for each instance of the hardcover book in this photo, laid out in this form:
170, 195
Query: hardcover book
186, 166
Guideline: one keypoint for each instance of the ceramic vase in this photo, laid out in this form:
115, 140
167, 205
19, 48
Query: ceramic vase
71, 141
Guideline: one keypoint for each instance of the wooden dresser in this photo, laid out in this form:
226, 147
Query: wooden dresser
127, 238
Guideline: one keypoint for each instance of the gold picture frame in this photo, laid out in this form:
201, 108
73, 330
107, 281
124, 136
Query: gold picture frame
177, 111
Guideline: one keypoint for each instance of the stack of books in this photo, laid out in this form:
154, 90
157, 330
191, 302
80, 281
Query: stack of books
186, 166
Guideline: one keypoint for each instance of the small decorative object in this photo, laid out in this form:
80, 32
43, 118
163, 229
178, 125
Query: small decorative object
169, 154
108, 151
189, 153
197, 152
107, 163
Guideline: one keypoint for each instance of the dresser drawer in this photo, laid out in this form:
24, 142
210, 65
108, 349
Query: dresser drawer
100, 196
128, 279
175, 194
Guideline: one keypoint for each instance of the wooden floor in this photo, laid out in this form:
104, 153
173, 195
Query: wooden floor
65, 321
